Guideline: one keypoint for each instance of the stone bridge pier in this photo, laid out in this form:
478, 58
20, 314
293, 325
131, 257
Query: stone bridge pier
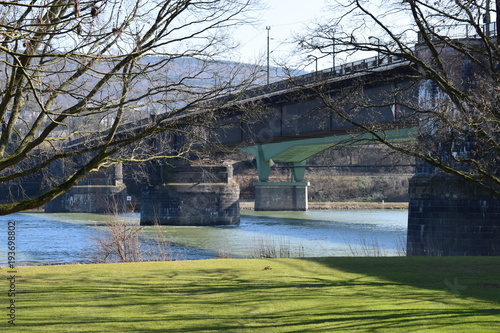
192, 195
101, 192
450, 217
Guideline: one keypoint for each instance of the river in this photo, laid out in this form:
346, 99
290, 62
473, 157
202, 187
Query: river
64, 238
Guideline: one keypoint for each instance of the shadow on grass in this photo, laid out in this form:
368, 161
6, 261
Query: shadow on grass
477, 277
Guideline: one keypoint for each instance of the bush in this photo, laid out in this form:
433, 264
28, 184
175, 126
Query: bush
119, 241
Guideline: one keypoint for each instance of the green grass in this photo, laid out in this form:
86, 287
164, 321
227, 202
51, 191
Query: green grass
411, 294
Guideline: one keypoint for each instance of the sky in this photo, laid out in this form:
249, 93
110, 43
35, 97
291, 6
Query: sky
285, 18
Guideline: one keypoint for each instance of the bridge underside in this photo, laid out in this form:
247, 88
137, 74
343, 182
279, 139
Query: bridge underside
293, 195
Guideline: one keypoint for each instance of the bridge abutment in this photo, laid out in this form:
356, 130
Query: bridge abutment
102, 192
195, 196
96, 199
281, 196
449, 217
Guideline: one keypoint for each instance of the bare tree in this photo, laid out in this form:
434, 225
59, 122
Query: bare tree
452, 78
88, 84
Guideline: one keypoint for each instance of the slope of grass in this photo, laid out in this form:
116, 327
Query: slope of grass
256, 295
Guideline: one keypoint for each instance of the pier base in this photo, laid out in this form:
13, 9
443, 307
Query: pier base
98, 199
202, 196
286, 196
101, 192
449, 217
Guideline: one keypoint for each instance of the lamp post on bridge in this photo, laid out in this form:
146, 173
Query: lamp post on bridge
268, 28
378, 48
333, 50
315, 59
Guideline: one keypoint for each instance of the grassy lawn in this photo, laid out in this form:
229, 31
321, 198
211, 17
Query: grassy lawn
256, 295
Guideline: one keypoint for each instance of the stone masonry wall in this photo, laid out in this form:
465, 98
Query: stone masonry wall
196, 196
449, 217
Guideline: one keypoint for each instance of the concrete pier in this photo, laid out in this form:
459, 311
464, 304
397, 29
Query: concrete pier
281, 196
449, 217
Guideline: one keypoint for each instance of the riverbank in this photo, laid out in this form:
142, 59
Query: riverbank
249, 205
342, 205
396, 294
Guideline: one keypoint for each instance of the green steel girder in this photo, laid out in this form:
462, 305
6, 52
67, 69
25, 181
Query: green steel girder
298, 151
297, 172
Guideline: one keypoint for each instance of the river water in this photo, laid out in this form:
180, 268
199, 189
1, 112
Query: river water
64, 238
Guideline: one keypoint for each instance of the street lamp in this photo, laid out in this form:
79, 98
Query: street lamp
378, 47
268, 52
333, 50
315, 59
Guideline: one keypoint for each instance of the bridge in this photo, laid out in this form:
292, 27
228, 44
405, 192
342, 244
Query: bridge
295, 126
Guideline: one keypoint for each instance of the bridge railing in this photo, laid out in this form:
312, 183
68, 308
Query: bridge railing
452, 31
363, 65
458, 31
355, 66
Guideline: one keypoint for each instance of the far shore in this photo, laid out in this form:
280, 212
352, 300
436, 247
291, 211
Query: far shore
342, 205
347, 205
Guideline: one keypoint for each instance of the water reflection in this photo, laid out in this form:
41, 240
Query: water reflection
63, 238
